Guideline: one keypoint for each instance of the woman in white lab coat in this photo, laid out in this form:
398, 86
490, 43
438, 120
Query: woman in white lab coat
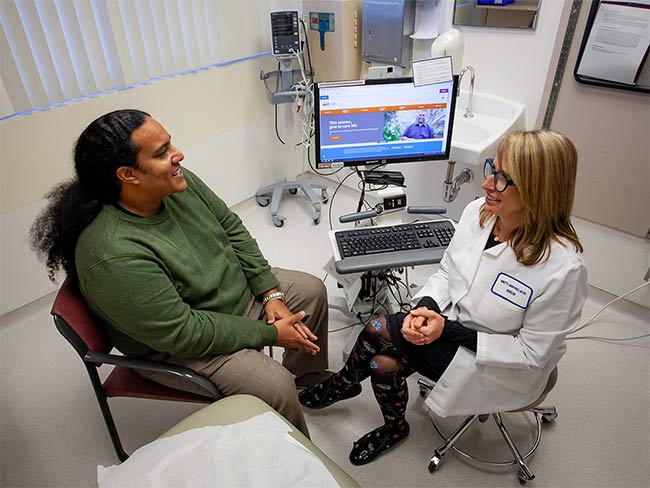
490, 325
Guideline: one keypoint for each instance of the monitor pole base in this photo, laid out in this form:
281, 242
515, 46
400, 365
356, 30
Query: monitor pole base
273, 194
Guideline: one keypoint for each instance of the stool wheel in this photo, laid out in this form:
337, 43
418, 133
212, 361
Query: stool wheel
548, 418
525, 476
434, 464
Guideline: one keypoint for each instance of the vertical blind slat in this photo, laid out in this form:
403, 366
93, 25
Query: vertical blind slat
6, 108
40, 51
159, 21
201, 32
89, 31
134, 40
108, 43
149, 41
176, 35
187, 22
21, 54
53, 32
212, 26
9, 71
118, 33
76, 47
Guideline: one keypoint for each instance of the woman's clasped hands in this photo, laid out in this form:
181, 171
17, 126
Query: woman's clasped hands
422, 326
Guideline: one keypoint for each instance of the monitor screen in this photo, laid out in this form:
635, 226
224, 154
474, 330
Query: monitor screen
379, 121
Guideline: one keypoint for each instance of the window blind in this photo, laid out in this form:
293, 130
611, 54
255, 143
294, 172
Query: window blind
56, 51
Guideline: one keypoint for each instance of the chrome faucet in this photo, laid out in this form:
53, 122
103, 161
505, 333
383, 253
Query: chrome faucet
469, 110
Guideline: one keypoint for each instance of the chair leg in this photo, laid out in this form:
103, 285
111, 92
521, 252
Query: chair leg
437, 458
525, 474
106, 412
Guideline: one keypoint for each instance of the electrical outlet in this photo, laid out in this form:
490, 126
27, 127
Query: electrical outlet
398, 201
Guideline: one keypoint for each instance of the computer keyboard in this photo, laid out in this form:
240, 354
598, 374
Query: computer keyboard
373, 248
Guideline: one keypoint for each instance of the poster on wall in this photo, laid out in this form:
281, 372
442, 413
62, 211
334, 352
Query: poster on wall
614, 49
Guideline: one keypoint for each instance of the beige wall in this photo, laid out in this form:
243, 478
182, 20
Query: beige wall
36, 148
219, 117
610, 128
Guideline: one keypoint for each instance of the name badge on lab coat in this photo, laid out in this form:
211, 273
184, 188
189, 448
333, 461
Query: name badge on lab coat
512, 290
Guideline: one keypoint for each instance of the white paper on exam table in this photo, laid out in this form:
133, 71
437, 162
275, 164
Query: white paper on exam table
256, 452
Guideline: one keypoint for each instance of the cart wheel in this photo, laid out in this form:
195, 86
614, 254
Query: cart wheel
278, 220
293, 191
262, 201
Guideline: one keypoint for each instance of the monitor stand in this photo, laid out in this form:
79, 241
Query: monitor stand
273, 194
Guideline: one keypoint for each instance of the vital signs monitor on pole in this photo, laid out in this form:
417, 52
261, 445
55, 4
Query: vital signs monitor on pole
285, 33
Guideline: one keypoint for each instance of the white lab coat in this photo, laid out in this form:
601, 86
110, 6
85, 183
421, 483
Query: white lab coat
522, 315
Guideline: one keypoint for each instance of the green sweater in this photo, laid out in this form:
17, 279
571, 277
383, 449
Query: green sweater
178, 282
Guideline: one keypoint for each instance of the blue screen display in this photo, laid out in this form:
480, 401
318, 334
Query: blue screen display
369, 122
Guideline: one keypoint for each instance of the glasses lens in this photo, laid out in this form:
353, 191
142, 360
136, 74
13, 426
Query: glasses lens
500, 182
488, 168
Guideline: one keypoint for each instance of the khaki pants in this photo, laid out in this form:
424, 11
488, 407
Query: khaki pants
253, 372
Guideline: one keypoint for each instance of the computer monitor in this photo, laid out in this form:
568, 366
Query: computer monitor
381, 121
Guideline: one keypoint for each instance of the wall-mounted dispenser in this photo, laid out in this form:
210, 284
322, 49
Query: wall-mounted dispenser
333, 33
322, 22
387, 27
450, 43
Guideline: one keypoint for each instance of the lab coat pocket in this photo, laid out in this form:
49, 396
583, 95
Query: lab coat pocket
466, 389
519, 380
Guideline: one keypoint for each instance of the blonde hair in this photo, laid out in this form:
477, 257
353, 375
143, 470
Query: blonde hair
543, 165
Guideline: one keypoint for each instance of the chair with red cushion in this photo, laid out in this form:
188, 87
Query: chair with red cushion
87, 334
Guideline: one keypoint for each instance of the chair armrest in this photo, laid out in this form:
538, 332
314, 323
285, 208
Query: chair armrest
151, 365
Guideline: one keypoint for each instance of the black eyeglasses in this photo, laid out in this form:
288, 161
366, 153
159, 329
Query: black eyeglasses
501, 181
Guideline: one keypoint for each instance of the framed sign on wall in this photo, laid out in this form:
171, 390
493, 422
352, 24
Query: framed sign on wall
614, 48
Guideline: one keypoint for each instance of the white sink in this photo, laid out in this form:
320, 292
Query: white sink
474, 139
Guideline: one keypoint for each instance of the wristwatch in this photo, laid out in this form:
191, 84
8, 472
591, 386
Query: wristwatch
277, 295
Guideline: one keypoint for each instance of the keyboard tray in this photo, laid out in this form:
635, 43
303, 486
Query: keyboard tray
392, 246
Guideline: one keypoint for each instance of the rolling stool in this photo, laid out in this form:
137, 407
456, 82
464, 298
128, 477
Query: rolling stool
543, 415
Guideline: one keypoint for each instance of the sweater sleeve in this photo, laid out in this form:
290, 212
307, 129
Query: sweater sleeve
253, 263
147, 307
